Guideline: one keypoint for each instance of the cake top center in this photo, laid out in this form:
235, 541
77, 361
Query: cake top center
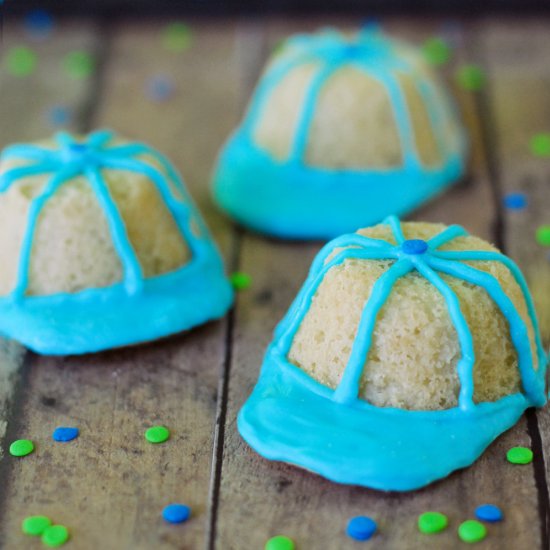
414, 247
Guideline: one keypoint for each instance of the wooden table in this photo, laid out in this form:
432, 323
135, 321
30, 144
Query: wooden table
110, 486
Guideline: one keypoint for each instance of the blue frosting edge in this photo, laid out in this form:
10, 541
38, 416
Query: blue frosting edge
291, 417
137, 309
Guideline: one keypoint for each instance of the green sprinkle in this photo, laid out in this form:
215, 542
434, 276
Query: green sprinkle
436, 51
520, 455
35, 525
280, 542
79, 64
21, 61
177, 37
56, 535
543, 235
157, 434
279, 46
240, 280
21, 447
472, 531
470, 77
540, 145
432, 522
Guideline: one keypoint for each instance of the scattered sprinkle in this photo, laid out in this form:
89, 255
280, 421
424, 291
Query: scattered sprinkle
543, 235
160, 87
437, 51
56, 535
470, 77
280, 542
489, 513
20, 60
176, 513
515, 201
157, 434
58, 115
35, 525
240, 280
177, 37
472, 531
21, 447
540, 145
79, 64
39, 24
63, 434
361, 528
520, 455
432, 522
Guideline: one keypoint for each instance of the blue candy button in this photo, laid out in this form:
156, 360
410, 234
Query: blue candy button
489, 512
63, 434
414, 246
176, 513
361, 528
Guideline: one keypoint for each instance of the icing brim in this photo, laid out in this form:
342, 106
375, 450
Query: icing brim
290, 200
291, 418
103, 318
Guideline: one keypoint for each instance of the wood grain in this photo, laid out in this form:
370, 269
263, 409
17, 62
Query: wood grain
109, 486
311, 510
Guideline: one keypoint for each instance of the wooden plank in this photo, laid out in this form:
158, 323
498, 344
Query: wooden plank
259, 499
25, 103
110, 486
519, 74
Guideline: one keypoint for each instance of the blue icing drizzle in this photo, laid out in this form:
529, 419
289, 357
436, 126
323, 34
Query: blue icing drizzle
292, 417
136, 309
294, 200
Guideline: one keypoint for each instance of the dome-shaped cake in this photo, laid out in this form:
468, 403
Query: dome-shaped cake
409, 349
101, 247
341, 132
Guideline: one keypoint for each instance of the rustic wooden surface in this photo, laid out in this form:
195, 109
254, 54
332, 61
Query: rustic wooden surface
109, 486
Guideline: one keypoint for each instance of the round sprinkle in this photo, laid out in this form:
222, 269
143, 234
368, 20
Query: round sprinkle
280, 542
160, 87
79, 64
39, 24
472, 531
361, 528
470, 77
432, 522
58, 115
56, 535
520, 455
157, 434
21, 61
240, 280
515, 201
540, 145
489, 513
543, 235
21, 447
35, 525
63, 434
176, 513
176, 37
437, 51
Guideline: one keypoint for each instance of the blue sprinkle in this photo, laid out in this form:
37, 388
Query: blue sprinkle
39, 24
58, 115
489, 512
361, 528
176, 513
515, 201
414, 247
160, 87
63, 435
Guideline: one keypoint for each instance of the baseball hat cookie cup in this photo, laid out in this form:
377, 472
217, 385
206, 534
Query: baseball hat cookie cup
341, 132
408, 350
101, 247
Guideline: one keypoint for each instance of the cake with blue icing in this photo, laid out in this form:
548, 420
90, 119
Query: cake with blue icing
409, 349
101, 247
341, 131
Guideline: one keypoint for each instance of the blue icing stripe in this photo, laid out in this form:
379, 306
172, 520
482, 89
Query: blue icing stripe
295, 200
292, 417
101, 318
